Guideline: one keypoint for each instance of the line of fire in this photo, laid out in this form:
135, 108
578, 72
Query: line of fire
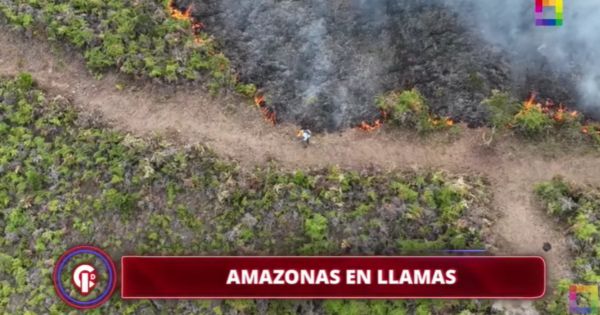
559, 112
186, 15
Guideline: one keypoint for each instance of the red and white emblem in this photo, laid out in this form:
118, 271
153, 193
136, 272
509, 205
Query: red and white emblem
84, 278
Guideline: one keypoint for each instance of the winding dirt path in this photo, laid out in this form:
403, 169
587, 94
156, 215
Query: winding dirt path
236, 130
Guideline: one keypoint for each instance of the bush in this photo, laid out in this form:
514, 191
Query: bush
409, 109
593, 130
532, 121
502, 108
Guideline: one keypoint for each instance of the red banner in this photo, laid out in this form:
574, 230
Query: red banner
454, 277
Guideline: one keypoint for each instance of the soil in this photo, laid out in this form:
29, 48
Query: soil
233, 128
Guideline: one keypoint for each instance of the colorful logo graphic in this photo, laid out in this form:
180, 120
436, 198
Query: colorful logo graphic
583, 299
548, 12
84, 277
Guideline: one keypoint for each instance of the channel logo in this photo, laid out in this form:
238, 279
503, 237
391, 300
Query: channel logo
583, 293
549, 12
84, 277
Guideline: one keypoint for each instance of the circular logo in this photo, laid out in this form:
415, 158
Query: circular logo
84, 277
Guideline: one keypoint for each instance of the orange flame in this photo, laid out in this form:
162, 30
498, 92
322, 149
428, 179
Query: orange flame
268, 114
585, 130
259, 100
178, 14
364, 126
560, 114
529, 104
197, 27
186, 15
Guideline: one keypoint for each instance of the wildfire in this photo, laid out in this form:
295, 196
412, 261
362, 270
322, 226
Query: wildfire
178, 14
186, 15
364, 126
559, 113
268, 114
259, 100
529, 104
442, 121
197, 27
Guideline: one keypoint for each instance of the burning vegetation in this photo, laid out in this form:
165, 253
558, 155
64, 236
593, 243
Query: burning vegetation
364, 126
315, 58
376, 125
408, 109
186, 15
268, 113
538, 117
559, 114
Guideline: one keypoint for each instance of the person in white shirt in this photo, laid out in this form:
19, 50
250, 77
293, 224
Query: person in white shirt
305, 134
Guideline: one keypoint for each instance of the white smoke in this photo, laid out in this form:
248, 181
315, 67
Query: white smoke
572, 49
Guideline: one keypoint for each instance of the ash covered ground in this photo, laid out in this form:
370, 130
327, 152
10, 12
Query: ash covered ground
321, 64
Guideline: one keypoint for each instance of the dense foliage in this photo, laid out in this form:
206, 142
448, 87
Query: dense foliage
577, 208
137, 37
409, 109
64, 180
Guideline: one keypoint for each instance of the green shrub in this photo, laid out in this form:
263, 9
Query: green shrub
404, 109
593, 131
409, 109
502, 108
532, 121
24, 81
248, 90
316, 227
577, 208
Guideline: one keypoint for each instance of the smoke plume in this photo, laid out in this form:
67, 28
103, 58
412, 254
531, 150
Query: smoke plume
322, 63
571, 51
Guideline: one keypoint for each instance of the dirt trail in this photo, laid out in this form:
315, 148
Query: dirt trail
234, 129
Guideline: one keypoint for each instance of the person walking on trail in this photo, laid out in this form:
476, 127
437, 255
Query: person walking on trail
305, 135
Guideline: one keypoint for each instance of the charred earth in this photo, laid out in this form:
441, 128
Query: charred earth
322, 64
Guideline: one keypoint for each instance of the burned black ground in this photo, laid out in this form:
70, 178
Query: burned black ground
322, 64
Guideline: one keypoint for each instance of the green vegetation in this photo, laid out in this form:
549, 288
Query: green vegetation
533, 120
138, 38
64, 180
502, 109
409, 109
577, 208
